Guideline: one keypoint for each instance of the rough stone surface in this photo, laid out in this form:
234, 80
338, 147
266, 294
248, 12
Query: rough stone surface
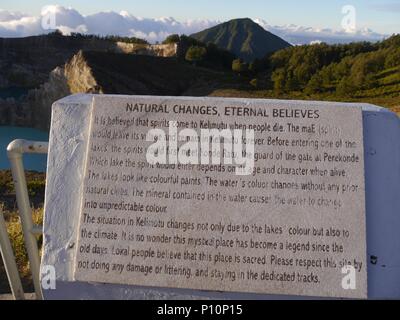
243, 221
68, 140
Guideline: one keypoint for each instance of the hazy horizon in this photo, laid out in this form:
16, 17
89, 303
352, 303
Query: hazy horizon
311, 22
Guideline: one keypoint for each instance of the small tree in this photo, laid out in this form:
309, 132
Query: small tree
195, 54
346, 87
393, 58
315, 85
291, 83
279, 80
239, 66
56, 33
173, 38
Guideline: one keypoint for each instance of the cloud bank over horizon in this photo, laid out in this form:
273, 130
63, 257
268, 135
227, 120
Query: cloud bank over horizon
68, 20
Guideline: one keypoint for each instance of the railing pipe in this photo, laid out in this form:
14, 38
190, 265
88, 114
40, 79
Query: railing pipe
15, 150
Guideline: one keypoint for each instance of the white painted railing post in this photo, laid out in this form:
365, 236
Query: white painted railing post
15, 150
9, 261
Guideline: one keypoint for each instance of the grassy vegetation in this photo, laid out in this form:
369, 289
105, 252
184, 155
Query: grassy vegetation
392, 102
35, 182
367, 72
357, 72
17, 240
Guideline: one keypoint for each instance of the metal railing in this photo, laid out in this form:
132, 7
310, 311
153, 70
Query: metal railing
15, 151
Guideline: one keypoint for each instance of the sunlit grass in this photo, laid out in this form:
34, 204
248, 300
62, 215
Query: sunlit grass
14, 228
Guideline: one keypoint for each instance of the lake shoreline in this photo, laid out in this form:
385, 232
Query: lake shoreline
31, 162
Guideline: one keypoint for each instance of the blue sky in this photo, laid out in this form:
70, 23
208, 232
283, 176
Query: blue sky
381, 16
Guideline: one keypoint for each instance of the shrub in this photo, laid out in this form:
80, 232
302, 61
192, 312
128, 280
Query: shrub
17, 239
36, 187
195, 54
173, 38
239, 66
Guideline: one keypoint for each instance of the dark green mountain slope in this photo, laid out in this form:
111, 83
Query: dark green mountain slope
243, 37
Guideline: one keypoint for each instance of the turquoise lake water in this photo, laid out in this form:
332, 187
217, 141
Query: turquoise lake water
36, 162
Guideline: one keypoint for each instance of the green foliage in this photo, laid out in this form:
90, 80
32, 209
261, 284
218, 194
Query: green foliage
352, 72
341, 69
196, 54
6, 183
14, 229
187, 42
239, 66
326, 75
109, 38
364, 67
35, 182
392, 42
56, 33
315, 84
279, 79
292, 82
345, 87
173, 38
215, 58
393, 58
126, 39
36, 187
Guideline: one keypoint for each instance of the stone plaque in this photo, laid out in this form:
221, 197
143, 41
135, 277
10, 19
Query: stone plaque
225, 195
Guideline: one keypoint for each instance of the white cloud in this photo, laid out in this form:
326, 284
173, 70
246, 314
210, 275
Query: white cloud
68, 30
315, 42
9, 16
15, 24
66, 17
19, 26
305, 35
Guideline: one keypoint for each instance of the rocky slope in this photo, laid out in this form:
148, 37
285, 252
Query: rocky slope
27, 62
111, 73
38, 66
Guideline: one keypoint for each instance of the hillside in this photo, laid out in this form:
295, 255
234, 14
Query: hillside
243, 37
27, 62
114, 73
358, 71
141, 75
367, 72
